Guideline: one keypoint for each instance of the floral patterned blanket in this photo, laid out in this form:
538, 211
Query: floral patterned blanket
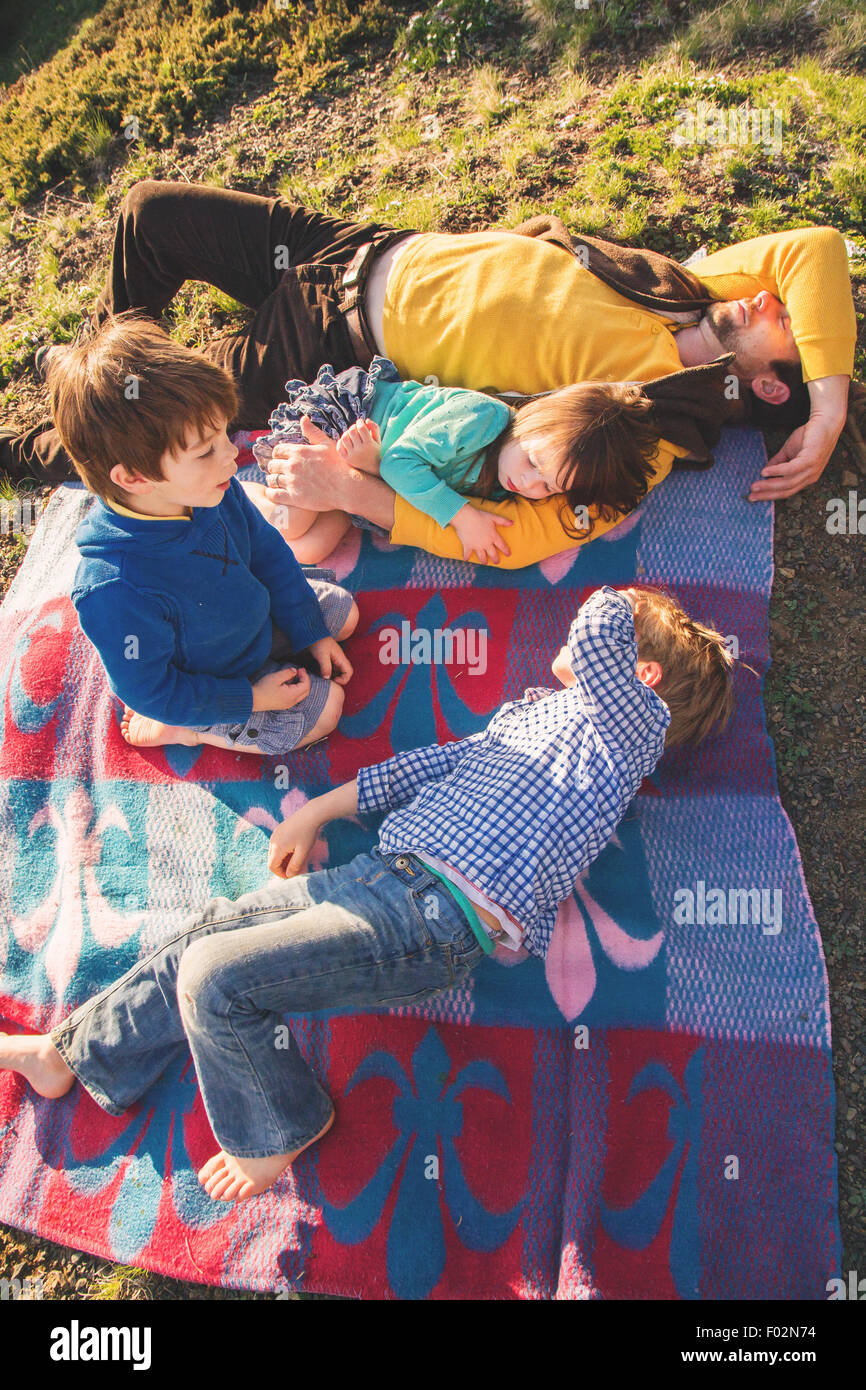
646, 1114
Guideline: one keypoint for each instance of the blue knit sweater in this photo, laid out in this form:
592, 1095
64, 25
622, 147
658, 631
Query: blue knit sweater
180, 609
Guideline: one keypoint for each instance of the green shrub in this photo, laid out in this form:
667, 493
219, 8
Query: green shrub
453, 30
167, 64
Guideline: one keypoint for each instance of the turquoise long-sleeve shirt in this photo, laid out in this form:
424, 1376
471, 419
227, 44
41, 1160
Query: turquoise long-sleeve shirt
430, 436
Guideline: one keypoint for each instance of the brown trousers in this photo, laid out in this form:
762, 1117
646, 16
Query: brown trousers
285, 262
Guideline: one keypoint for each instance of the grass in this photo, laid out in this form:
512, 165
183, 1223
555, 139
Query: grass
835, 30
165, 65
33, 37
793, 708
603, 150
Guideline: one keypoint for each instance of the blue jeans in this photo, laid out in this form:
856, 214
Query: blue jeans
379, 931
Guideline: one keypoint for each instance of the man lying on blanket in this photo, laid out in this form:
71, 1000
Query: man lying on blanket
528, 310
528, 313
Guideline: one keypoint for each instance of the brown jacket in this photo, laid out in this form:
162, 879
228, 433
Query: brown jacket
691, 407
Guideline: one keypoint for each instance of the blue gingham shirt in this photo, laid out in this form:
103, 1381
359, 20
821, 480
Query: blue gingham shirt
525, 805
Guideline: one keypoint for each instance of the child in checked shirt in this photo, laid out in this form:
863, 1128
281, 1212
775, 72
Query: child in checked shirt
510, 815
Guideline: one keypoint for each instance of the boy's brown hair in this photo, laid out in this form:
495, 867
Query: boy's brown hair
606, 441
129, 395
697, 667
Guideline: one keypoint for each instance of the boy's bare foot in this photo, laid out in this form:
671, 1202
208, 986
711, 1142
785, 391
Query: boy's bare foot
142, 732
37, 1059
359, 446
229, 1179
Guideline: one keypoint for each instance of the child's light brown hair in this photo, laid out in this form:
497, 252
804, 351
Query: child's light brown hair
129, 395
604, 436
697, 667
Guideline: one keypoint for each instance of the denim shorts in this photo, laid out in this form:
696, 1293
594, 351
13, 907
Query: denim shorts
277, 731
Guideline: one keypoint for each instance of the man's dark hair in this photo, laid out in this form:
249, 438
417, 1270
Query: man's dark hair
791, 413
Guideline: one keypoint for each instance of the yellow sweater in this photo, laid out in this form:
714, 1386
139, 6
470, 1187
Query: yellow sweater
490, 310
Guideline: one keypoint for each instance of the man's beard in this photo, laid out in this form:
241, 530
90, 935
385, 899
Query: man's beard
733, 337
721, 321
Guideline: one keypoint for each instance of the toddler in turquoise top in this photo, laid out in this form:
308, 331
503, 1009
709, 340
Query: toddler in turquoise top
593, 443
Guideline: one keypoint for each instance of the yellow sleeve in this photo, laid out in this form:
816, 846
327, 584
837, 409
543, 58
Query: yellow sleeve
535, 535
807, 270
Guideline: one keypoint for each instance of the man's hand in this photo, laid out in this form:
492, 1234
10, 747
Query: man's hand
804, 456
302, 475
281, 689
292, 843
314, 476
331, 658
799, 463
478, 533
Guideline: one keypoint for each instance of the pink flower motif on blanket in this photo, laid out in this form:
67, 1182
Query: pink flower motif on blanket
34, 675
571, 975
555, 567
74, 899
345, 556
622, 528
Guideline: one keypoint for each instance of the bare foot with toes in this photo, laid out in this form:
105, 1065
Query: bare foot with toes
359, 446
229, 1179
142, 732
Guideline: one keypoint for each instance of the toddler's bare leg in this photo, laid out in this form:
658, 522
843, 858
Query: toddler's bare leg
291, 522
322, 539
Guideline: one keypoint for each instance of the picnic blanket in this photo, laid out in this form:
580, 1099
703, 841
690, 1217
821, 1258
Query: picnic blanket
647, 1114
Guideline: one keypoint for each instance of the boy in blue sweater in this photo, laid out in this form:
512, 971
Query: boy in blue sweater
193, 601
